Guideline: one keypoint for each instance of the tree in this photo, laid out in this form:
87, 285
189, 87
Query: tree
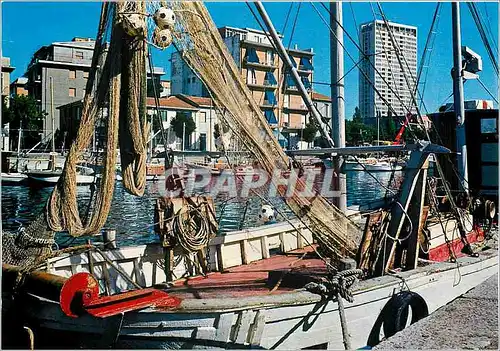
24, 113
309, 132
356, 117
356, 131
180, 120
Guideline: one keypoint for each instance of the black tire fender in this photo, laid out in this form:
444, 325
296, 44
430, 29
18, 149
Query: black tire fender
394, 315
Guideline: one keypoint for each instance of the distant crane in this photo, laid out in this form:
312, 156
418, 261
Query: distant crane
397, 139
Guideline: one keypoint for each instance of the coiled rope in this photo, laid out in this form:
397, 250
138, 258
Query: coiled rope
191, 228
340, 284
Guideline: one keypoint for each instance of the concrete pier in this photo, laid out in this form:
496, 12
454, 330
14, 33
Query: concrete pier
469, 322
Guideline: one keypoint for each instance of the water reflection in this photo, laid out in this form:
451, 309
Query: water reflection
132, 217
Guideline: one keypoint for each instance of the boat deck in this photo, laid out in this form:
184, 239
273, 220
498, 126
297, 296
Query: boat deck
263, 277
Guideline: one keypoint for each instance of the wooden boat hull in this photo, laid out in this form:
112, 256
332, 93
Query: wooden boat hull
13, 178
48, 180
291, 320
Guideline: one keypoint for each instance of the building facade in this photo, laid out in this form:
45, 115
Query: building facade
198, 108
18, 87
7, 69
381, 66
67, 64
263, 71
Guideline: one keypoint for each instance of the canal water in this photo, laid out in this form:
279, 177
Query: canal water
132, 217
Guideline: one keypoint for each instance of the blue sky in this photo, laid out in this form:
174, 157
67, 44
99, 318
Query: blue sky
64, 20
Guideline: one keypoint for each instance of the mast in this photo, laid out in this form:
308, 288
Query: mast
52, 156
458, 96
337, 93
293, 70
19, 136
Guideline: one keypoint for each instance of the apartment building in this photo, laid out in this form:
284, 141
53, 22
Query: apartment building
379, 55
264, 72
68, 65
18, 86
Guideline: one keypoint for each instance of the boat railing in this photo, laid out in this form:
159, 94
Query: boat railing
145, 263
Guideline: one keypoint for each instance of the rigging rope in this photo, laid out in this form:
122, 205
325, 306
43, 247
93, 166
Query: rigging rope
202, 48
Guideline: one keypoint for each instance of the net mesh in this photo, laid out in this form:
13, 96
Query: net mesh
116, 89
203, 49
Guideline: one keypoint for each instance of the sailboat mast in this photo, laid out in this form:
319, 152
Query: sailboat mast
458, 96
52, 156
293, 70
337, 93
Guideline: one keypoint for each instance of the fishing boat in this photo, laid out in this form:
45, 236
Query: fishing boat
13, 178
85, 175
284, 285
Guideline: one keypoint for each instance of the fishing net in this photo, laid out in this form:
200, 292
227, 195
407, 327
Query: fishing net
203, 49
116, 85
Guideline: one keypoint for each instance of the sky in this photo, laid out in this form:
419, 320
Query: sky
61, 21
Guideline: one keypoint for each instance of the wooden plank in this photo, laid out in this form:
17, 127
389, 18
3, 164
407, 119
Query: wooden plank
416, 211
205, 333
244, 251
257, 328
300, 239
224, 325
264, 244
412, 172
243, 326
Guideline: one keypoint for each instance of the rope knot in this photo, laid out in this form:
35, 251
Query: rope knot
339, 285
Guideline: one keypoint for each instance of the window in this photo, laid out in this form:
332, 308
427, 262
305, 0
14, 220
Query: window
72, 74
251, 56
85, 75
306, 82
203, 117
270, 117
488, 125
72, 92
78, 54
286, 118
305, 64
293, 60
270, 79
251, 76
289, 82
270, 57
269, 98
286, 102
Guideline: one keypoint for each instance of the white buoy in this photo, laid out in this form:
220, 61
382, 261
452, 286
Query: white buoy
162, 38
267, 214
164, 18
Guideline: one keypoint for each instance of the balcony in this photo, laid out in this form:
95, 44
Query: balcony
296, 108
305, 65
270, 117
269, 83
292, 126
269, 100
263, 86
260, 66
251, 59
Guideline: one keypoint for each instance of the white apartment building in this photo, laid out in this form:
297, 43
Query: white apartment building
378, 48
